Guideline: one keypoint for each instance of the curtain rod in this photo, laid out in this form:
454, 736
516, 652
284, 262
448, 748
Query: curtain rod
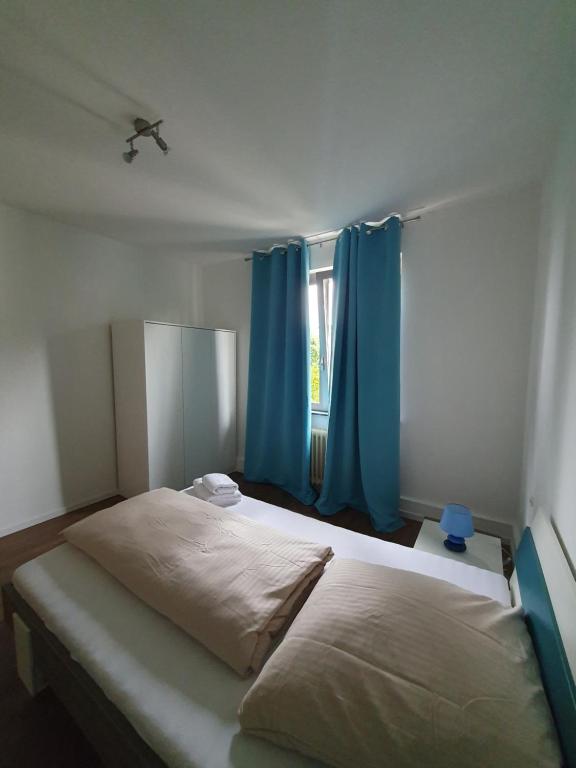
336, 234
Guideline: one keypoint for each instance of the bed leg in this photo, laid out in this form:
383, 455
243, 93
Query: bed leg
28, 671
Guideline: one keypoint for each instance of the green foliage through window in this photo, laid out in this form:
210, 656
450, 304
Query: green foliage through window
315, 368
320, 297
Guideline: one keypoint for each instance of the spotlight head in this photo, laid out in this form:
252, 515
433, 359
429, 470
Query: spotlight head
160, 142
129, 156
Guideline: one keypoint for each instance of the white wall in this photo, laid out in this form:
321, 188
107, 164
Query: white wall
468, 290
550, 477
468, 279
226, 295
59, 289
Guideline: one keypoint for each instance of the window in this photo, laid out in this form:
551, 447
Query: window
320, 299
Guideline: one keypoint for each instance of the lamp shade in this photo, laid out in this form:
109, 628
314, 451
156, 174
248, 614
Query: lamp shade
457, 521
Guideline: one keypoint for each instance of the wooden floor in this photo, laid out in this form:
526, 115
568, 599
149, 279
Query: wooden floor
348, 518
18, 548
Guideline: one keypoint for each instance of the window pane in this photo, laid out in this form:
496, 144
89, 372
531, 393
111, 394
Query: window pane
314, 343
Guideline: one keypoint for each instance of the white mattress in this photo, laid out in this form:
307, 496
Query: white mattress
180, 698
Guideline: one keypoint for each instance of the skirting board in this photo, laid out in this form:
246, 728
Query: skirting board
418, 510
56, 513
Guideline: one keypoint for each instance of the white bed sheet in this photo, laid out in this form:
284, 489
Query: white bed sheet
181, 699
358, 546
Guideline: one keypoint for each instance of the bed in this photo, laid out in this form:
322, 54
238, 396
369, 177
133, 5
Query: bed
147, 694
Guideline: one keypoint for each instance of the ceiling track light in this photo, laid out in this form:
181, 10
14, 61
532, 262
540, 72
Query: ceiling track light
129, 156
143, 128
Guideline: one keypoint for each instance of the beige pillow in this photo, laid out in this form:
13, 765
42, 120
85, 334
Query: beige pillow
384, 667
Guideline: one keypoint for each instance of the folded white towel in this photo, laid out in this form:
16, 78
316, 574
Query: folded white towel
218, 483
221, 500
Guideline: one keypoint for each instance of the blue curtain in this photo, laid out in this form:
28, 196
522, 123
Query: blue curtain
362, 455
278, 420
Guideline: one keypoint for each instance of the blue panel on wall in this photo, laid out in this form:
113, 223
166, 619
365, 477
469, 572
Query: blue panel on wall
547, 641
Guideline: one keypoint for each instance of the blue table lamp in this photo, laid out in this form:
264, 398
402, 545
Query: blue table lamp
457, 523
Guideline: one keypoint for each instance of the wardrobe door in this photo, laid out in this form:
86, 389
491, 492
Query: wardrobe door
164, 405
209, 388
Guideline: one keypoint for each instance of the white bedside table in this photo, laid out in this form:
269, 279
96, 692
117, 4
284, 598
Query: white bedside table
481, 550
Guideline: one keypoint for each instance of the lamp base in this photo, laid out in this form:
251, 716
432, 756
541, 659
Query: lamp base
455, 543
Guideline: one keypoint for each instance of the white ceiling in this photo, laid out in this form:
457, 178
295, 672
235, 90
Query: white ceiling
285, 117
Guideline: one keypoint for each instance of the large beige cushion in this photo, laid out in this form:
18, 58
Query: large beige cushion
384, 667
228, 581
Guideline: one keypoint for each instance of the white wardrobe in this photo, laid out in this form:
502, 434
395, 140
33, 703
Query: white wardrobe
175, 401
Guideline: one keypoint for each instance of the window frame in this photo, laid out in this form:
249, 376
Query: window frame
318, 278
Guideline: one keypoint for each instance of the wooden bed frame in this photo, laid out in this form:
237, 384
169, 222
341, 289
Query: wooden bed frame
108, 731
543, 583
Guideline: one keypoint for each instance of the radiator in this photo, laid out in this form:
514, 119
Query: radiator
318, 456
